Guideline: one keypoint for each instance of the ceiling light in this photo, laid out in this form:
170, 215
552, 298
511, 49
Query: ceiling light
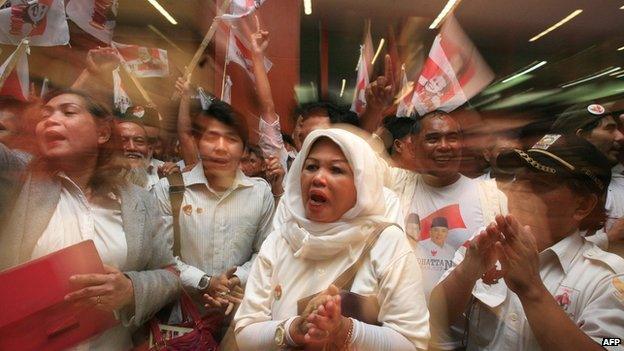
344, 84
450, 5
381, 44
307, 7
592, 76
163, 11
557, 25
616, 73
530, 68
620, 76
620, 48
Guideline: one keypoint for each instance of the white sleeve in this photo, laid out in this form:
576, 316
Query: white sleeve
372, 337
271, 142
257, 336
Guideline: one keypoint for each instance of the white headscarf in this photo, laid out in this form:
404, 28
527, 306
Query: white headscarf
315, 240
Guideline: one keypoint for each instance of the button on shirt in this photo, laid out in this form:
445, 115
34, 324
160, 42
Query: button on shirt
218, 230
585, 281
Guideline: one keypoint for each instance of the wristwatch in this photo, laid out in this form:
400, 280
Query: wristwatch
280, 336
204, 282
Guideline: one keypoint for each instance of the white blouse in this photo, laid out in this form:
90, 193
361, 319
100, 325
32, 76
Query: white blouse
278, 280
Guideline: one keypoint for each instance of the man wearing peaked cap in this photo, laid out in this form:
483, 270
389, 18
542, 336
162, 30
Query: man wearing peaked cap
558, 290
598, 124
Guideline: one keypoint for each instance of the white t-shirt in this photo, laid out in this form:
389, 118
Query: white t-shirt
433, 261
459, 203
615, 196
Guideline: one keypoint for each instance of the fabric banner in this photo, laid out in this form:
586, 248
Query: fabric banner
453, 73
121, 99
17, 83
96, 17
239, 52
143, 61
363, 73
43, 22
405, 108
227, 90
241, 8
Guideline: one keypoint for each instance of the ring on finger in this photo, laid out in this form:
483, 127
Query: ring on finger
222, 293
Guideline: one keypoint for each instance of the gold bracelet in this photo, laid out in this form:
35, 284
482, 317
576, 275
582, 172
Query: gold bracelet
347, 341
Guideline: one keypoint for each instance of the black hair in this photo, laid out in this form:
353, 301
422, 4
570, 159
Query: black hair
224, 113
399, 127
254, 149
288, 139
335, 113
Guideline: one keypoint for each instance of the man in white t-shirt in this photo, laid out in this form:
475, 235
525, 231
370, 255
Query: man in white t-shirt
434, 255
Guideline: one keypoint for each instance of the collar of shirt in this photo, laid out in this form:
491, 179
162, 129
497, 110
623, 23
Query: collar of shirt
565, 251
196, 176
617, 171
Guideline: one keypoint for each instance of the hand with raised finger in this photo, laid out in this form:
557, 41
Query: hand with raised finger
108, 292
519, 257
259, 39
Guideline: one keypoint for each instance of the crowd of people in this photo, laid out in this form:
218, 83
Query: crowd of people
371, 232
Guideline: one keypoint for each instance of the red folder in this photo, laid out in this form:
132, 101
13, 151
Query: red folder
33, 313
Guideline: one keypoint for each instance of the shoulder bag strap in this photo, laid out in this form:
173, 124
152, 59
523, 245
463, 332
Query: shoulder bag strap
345, 280
176, 193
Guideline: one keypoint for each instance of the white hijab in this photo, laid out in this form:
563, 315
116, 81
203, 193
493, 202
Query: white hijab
315, 240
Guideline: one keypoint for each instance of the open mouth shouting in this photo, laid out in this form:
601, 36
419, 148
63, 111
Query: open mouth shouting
317, 199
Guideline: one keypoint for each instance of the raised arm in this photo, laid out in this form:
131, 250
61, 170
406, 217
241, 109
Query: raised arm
379, 95
188, 148
98, 63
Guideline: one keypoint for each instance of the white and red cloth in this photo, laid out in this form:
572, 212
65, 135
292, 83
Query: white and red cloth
17, 83
453, 73
241, 8
227, 90
363, 73
239, 52
405, 108
96, 17
121, 100
143, 61
43, 22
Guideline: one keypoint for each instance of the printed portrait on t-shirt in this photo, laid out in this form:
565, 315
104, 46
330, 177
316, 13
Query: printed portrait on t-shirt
412, 226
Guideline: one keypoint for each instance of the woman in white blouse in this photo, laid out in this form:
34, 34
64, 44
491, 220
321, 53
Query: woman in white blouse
334, 207
73, 191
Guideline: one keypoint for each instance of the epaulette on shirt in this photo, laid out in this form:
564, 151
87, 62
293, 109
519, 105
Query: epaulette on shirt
613, 261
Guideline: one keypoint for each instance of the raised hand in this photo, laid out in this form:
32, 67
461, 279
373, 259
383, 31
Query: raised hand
380, 92
481, 255
183, 86
259, 39
102, 60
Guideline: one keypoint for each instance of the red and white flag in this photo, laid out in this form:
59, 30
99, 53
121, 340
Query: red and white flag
363, 73
43, 22
239, 52
121, 100
96, 17
143, 61
241, 8
453, 73
17, 84
405, 108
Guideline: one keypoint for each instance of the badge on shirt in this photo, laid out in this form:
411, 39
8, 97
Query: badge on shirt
546, 141
566, 298
618, 284
277, 292
188, 210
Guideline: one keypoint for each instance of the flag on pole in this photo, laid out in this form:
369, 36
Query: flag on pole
96, 17
204, 99
241, 8
43, 22
143, 61
453, 73
239, 52
405, 108
121, 100
14, 76
227, 90
363, 72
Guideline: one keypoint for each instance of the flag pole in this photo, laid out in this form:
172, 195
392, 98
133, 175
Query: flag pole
207, 38
21, 48
136, 82
225, 63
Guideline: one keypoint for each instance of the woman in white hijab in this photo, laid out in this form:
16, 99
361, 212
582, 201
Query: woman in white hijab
334, 212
